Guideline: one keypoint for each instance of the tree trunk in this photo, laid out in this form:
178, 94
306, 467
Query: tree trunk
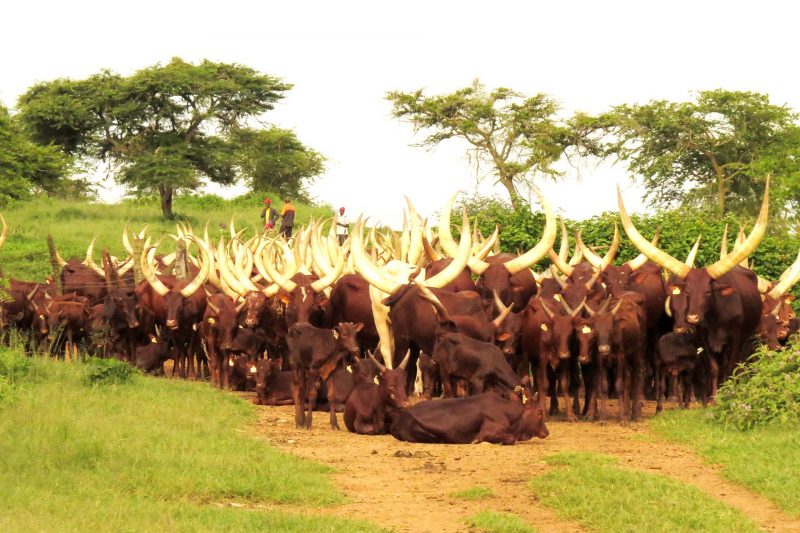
166, 201
721, 195
516, 201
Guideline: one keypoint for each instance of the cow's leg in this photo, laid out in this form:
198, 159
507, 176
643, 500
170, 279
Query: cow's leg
563, 383
299, 397
714, 377
447, 384
311, 386
541, 384
494, 432
637, 389
620, 386
331, 403
660, 390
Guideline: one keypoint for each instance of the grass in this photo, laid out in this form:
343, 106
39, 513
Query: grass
474, 494
494, 522
766, 460
151, 455
74, 224
594, 491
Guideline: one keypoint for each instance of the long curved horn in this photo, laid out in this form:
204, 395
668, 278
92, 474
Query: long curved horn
286, 284
693, 253
460, 260
201, 277
228, 278
89, 261
655, 254
637, 262
549, 312
589, 284
723, 247
377, 363
432, 254
667, 308
577, 255
488, 244
504, 311
557, 277
739, 253
789, 278
60, 259
477, 266
364, 265
545, 243
148, 256
563, 250
595, 260
616, 307
404, 362
561, 265
332, 276
439, 308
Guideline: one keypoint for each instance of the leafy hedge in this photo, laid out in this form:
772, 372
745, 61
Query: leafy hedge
679, 229
764, 391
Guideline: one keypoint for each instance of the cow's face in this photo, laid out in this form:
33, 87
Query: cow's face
221, 315
678, 304
255, 304
562, 334
345, 334
510, 333
304, 304
122, 304
174, 303
531, 423
603, 329
41, 311
769, 330
699, 287
393, 383
429, 371
586, 335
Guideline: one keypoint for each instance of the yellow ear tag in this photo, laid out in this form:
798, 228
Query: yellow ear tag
586, 329
375, 380
676, 290
230, 362
212, 321
194, 327
253, 370
335, 334
557, 297
154, 340
544, 327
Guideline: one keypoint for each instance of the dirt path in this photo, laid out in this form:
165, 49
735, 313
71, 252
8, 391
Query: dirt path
408, 487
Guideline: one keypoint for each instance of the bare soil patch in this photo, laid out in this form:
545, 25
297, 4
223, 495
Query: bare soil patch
408, 487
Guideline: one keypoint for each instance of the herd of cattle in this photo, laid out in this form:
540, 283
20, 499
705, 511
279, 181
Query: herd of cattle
359, 326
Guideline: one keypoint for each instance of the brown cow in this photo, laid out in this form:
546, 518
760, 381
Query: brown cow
313, 354
369, 403
486, 417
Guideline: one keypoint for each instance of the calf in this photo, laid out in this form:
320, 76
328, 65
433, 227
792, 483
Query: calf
313, 354
273, 386
486, 417
365, 410
680, 357
150, 358
68, 314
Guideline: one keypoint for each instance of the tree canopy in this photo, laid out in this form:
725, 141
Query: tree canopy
715, 150
515, 135
162, 129
27, 167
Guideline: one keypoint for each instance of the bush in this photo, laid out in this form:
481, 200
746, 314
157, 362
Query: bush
763, 391
108, 372
15, 367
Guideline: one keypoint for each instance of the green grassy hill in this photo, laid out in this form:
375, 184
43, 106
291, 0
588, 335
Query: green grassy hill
74, 224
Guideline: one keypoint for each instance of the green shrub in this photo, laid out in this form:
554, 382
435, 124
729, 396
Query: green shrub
765, 390
7, 392
108, 372
15, 367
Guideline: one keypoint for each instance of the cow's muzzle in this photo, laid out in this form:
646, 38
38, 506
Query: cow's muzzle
604, 348
693, 319
172, 324
563, 355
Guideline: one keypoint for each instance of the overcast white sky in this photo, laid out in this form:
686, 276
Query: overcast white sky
342, 58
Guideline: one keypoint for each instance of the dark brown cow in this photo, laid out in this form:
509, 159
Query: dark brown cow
682, 359
177, 306
68, 321
722, 300
217, 329
486, 417
463, 281
313, 354
620, 335
150, 357
273, 386
367, 406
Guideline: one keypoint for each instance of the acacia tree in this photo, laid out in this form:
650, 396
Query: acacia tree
27, 167
517, 136
715, 150
162, 129
275, 160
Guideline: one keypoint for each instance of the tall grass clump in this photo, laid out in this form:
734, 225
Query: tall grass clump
108, 372
763, 391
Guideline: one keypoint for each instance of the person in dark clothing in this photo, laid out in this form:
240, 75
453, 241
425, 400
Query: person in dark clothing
288, 218
269, 215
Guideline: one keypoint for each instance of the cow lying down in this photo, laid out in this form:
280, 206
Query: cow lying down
486, 417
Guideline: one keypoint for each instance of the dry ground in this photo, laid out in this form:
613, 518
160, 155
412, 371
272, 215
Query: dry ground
408, 487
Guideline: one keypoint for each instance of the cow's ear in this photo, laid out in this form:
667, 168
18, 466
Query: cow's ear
726, 290
323, 301
358, 327
286, 298
638, 277
503, 336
